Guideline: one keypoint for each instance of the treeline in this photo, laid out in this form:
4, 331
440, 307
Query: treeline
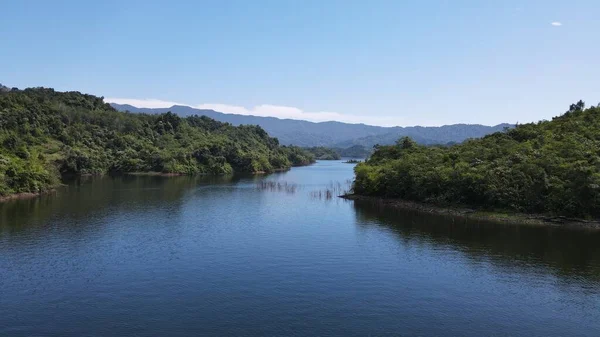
45, 134
336, 153
545, 167
323, 153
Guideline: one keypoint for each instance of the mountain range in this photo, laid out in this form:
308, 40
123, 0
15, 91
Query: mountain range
334, 134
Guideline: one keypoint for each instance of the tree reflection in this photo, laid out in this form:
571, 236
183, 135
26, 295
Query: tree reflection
565, 252
82, 197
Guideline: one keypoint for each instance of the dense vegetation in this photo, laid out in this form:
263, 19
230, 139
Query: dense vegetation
335, 134
45, 134
336, 153
323, 153
546, 167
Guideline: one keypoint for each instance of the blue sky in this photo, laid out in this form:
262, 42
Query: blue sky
376, 62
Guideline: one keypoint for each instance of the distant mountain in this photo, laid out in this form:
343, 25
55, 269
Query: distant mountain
356, 151
455, 133
334, 134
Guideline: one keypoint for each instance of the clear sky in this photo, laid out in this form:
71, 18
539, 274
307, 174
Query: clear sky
377, 62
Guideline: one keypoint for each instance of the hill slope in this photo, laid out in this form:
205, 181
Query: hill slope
455, 133
334, 134
546, 167
45, 134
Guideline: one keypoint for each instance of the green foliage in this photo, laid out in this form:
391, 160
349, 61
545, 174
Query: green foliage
546, 167
44, 133
336, 153
297, 156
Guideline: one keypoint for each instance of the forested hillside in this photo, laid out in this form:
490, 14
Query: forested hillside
335, 134
327, 153
356, 151
45, 134
323, 153
546, 167
442, 135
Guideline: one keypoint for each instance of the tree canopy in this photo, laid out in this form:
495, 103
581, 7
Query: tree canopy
45, 134
545, 167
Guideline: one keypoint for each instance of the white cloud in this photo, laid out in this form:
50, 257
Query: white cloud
268, 110
556, 24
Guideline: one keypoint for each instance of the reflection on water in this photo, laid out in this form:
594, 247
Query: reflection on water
572, 254
280, 255
277, 186
83, 196
333, 190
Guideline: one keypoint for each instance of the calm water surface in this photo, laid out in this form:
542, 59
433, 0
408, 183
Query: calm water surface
273, 255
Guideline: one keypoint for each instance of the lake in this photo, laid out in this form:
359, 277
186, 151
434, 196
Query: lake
280, 255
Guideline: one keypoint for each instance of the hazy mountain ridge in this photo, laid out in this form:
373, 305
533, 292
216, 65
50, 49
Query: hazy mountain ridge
338, 134
454, 133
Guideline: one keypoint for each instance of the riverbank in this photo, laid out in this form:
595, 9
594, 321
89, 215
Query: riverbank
30, 195
155, 174
495, 216
24, 195
175, 174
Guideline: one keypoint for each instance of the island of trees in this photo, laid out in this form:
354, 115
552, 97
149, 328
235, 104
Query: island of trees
549, 167
45, 135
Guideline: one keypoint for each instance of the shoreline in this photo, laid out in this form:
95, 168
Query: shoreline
25, 195
175, 174
153, 174
31, 195
467, 213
